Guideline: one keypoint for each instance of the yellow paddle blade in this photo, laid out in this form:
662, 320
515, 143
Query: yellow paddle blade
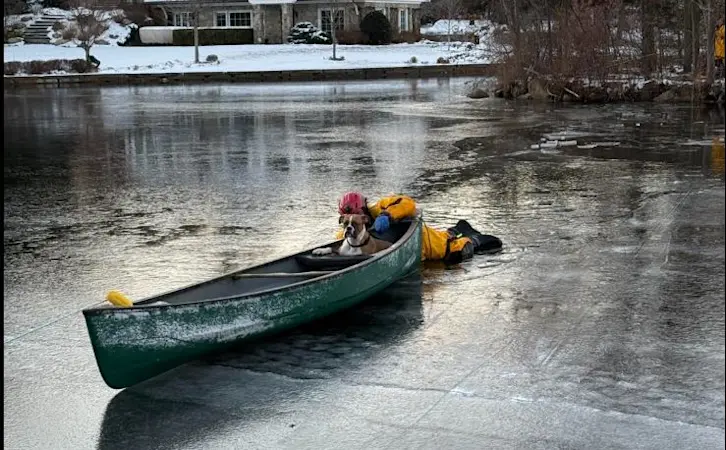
118, 299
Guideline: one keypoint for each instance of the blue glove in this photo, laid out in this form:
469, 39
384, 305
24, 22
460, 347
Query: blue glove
382, 223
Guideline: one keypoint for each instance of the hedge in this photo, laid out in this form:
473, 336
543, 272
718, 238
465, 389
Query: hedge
47, 67
211, 36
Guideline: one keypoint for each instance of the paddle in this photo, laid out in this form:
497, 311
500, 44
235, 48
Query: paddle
116, 298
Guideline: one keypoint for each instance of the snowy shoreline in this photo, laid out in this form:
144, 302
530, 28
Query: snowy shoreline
264, 76
243, 58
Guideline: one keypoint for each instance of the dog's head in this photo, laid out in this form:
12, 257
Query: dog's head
354, 225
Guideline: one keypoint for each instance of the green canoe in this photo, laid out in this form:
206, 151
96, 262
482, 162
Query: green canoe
162, 332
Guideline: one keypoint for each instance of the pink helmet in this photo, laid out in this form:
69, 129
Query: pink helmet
352, 203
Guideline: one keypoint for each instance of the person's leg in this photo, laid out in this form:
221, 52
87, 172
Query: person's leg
459, 250
481, 242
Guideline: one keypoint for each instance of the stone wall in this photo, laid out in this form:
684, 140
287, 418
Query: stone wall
271, 31
428, 71
305, 13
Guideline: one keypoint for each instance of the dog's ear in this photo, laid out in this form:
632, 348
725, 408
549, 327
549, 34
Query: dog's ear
366, 220
341, 219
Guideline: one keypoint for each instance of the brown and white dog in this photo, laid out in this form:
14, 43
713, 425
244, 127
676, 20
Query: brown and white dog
357, 240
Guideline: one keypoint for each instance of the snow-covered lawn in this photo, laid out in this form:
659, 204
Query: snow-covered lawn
242, 58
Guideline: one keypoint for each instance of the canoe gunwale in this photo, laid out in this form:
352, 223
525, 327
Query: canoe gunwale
145, 304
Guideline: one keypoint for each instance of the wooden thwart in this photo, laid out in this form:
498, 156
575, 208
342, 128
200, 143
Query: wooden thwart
318, 273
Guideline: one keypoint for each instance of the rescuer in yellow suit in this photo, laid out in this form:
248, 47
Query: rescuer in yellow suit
717, 155
453, 245
718, 48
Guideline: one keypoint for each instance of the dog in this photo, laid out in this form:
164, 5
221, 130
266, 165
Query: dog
357, 240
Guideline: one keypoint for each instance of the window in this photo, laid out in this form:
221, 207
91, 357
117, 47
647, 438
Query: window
182, 19
403, 19
221, 19
327, 19
240, 19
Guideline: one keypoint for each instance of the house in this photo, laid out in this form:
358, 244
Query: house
271, 20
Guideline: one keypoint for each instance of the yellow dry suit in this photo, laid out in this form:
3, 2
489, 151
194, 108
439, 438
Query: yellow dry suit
435, 244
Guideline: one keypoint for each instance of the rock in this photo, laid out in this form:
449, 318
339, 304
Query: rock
650, 90
537, 90
518, 90
614, 92
718, 92
19, 26
26, 18
212, 58
508, 93
60, 42
629, 93
596, 95
527, 96
442, 60
477, 93
102, 42
14, 40
667, 96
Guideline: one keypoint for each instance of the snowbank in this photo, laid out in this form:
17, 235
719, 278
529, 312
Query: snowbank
443, 27
158, 35
467, 52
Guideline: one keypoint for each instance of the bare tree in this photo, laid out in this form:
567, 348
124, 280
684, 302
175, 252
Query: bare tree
449, 10
691, 16
333, 26
86, 27
648, 12
337, 18
10, 8
197, 8
710, 27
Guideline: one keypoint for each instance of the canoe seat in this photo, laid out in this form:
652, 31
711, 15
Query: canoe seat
329, 262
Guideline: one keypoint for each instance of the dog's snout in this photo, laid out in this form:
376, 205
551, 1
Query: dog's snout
350, 229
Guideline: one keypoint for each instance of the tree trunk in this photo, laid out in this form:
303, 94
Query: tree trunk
711, 24
695, 34
335, 41
688, 36
647, 9
622, 22
196, 37
87, 49
448, 32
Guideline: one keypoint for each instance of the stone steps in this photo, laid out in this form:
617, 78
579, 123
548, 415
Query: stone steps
37, 32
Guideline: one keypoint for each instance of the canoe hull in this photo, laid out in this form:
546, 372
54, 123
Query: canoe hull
135, 344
